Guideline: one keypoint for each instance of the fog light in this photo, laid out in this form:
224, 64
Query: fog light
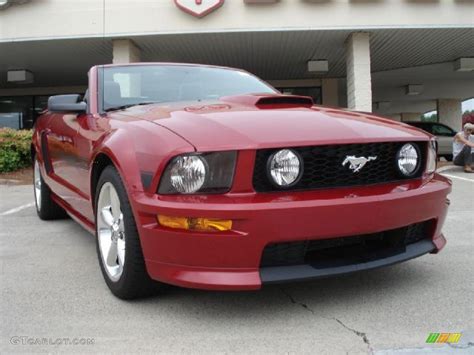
198, 224
284, 167
408, 159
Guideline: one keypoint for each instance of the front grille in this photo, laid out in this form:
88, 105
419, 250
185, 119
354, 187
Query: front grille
323, 166
347, 250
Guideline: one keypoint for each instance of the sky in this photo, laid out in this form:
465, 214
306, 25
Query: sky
468, 105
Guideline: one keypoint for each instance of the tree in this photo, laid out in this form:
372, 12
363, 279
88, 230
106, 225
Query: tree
468, 116
430, 118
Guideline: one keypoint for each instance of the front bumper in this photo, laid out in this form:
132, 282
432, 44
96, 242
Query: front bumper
277, 274
231, 260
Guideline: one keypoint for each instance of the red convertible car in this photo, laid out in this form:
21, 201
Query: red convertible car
207, 177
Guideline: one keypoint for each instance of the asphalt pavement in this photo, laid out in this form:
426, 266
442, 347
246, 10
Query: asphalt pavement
55, 300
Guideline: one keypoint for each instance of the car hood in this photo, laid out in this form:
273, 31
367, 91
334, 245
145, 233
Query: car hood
236, 123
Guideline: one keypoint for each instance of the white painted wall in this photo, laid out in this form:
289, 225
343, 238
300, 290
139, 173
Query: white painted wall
440, 81
411, 116
40, 19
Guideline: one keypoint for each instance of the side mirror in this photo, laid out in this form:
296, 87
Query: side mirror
66, 103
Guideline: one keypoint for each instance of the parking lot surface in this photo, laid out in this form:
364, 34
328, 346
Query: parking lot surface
53, 295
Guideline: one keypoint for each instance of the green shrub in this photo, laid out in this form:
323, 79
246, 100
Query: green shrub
14, 149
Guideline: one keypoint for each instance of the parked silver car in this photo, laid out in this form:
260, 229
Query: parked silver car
444, 135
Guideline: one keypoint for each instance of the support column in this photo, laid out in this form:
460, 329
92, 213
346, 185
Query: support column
330, 92
359, 78
450, 113
125, 51
411, 116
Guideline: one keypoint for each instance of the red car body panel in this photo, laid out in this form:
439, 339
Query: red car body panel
143, 139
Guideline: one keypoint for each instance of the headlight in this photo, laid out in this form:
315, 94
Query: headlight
432, 157
188, 174
199, 173
408, 160
284, 167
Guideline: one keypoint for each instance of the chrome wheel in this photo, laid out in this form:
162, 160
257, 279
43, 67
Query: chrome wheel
37, 183
111, 231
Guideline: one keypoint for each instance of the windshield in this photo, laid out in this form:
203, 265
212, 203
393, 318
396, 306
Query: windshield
133, 85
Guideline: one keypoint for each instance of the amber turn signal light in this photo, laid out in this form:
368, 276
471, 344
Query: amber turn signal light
198, 224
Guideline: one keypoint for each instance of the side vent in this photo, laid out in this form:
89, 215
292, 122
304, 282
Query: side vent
146, 178
45, 153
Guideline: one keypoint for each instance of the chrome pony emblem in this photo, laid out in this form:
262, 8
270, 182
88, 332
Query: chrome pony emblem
356, 163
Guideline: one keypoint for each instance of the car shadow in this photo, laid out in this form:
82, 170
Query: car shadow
322, 297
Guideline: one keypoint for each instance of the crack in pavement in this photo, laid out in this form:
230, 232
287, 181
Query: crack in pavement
292, 300
356, 332
465, 346
359, 334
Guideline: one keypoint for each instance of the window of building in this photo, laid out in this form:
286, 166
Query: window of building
20, 112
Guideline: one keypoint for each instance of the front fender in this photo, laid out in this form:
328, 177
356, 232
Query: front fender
138, 150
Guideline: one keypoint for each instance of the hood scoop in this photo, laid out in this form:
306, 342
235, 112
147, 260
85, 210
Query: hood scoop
271, 101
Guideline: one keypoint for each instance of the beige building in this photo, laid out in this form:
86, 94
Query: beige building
399, 58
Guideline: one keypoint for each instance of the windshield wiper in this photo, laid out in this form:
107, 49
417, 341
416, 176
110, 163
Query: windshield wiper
124, 107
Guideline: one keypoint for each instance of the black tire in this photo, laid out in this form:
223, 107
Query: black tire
134, 281
46, 208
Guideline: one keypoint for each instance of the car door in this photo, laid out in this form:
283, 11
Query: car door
60, 138
445, 137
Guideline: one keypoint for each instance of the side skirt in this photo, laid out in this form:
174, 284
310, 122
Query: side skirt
76, 216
